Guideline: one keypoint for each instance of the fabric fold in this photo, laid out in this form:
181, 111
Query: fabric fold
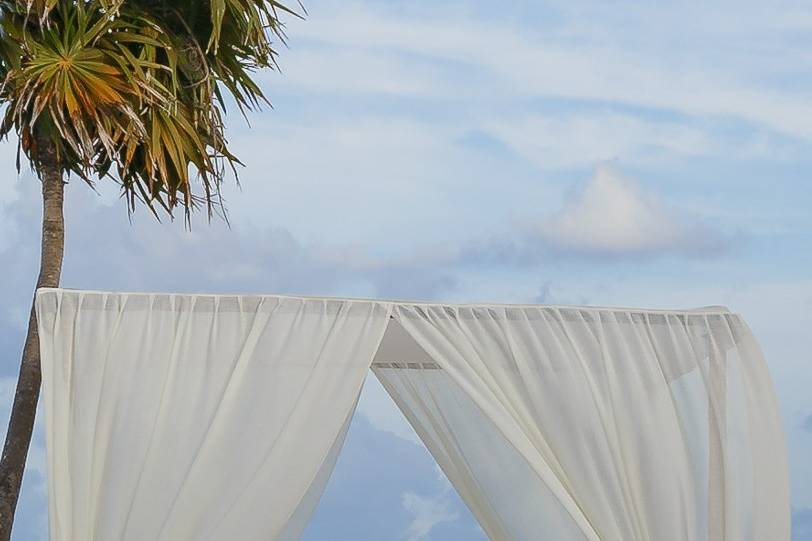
217, 417
174, 417
598, 424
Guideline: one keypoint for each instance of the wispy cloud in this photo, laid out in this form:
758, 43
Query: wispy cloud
566, 140
428, 511
574, 57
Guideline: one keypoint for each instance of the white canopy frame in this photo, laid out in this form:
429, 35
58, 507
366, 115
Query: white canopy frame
186, 417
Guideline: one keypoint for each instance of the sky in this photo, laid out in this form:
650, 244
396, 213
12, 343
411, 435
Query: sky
613, 153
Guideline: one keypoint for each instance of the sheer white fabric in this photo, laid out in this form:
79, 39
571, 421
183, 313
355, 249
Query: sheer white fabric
195, 417
571, 424
189, 418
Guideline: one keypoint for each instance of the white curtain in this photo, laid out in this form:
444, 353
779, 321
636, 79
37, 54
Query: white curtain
595, 424
189, 418
219, 418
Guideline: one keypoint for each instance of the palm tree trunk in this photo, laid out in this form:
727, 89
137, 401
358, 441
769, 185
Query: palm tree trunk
21, 424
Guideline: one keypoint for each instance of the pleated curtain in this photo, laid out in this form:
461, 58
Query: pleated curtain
196, 417
589, 424
187, 418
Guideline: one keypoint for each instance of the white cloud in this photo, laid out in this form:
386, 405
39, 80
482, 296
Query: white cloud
428, 511
578, 56
613, 216
362, 72
147, 255
610, 216
589, 137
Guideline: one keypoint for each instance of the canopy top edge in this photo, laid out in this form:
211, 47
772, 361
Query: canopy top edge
710, 310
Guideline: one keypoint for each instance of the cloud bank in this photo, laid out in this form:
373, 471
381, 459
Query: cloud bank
613, 216
610, 217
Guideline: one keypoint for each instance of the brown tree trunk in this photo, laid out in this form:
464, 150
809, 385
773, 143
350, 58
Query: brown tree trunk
24, 409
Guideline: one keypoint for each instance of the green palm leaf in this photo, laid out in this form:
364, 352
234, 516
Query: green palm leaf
133, 90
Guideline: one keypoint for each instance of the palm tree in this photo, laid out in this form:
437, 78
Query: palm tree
133, 91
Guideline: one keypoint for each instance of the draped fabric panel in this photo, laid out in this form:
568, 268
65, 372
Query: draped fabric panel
189, 418
505, 494
596, 424
209, 418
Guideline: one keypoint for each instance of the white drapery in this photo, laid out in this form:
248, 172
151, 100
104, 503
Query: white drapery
592, 424
191, 417
177, 418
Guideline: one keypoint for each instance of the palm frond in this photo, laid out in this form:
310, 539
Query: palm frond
133, 89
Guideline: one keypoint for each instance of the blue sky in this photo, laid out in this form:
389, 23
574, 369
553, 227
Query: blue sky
620, 153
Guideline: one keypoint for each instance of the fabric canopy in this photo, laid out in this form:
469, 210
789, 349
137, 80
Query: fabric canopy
203, 417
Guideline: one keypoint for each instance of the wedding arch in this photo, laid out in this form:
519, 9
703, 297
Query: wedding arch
220, 417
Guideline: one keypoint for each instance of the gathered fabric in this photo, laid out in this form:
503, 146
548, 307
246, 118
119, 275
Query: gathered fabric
206, 417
